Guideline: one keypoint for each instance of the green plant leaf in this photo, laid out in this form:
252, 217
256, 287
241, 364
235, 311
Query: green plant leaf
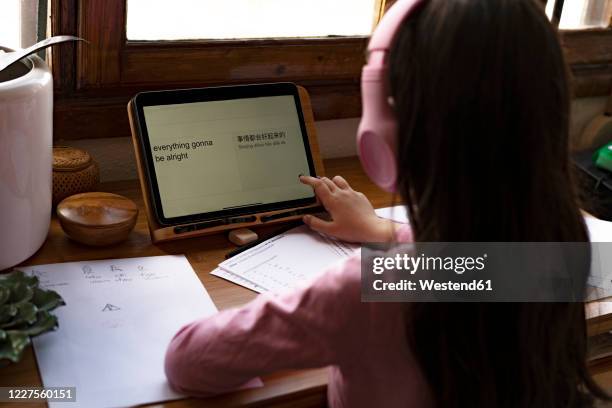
24, 312
46, 299
12, 346
21, 293
5, 293
17, 276
45, 321
8, 312
27, 314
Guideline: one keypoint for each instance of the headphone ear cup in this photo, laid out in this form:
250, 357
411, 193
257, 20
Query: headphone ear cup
377, 134
378, 159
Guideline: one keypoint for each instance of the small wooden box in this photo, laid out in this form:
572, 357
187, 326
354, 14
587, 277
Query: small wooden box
74, 172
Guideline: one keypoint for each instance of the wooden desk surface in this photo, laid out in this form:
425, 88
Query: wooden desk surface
304, 388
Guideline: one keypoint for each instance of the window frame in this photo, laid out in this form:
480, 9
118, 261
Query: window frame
95, 80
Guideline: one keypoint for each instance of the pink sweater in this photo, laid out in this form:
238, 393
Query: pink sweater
322, 324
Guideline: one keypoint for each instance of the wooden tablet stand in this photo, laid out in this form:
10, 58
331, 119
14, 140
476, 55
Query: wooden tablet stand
161, 233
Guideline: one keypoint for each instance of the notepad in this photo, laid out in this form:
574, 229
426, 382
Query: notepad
287, 260
397, 214
292, 258
238, 280
120, 316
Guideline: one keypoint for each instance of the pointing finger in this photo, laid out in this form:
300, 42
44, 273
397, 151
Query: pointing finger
319, 186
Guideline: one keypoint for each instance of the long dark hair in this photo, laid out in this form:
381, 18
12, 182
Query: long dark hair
480, 88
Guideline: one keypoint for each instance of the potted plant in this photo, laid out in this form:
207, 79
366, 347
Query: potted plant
25, 312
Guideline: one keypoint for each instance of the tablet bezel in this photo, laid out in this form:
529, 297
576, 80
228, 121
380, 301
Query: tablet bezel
194, 95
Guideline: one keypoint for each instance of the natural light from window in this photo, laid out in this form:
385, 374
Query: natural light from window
579, 14
10, 27
214, 19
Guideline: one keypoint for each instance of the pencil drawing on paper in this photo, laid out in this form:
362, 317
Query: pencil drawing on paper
110, 308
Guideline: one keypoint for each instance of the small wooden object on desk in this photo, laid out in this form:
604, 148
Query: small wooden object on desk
74, 171
97, 219
242, 236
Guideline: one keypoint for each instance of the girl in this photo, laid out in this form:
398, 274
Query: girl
479, 90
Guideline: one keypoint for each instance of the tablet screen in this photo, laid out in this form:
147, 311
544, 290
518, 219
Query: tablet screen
223, 155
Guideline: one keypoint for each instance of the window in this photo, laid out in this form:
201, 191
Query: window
10, 24
240, 19
138, 45
580, 14
19, 22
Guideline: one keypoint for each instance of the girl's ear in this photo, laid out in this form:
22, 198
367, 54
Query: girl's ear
391, 101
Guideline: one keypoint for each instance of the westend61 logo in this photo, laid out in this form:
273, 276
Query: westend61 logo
483, 271
413, 264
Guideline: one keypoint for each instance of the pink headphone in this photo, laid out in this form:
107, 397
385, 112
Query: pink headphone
377, 134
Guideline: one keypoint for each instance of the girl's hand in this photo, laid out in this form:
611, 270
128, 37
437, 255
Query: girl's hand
353, 217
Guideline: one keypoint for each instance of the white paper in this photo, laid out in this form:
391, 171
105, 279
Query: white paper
396, 213
601, 258
599, 230
238, 280
288, 260
113, 332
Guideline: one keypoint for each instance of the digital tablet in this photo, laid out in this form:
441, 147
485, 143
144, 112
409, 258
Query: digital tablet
223, 153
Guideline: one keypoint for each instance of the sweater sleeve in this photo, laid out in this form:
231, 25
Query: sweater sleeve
288, 331
403, 233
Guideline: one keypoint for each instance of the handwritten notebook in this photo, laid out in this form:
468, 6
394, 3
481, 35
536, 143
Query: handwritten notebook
113, 332
292, 258
283, 262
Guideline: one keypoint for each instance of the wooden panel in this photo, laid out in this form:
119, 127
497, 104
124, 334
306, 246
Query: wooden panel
599, 315
587, 46
602, 374
90, 116
591, 81
589, 53
336, 102
329, 59
63, 21
311, 130
102, 24
87, 118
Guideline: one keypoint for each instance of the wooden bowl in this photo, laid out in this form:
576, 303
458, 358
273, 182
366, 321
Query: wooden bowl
97, 219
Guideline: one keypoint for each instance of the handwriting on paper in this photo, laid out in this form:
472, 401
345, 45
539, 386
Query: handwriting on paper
119, 317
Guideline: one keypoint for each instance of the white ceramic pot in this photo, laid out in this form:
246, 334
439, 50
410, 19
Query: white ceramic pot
26, 129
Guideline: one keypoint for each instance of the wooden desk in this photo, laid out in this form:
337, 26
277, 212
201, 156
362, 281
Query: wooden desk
305, 388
